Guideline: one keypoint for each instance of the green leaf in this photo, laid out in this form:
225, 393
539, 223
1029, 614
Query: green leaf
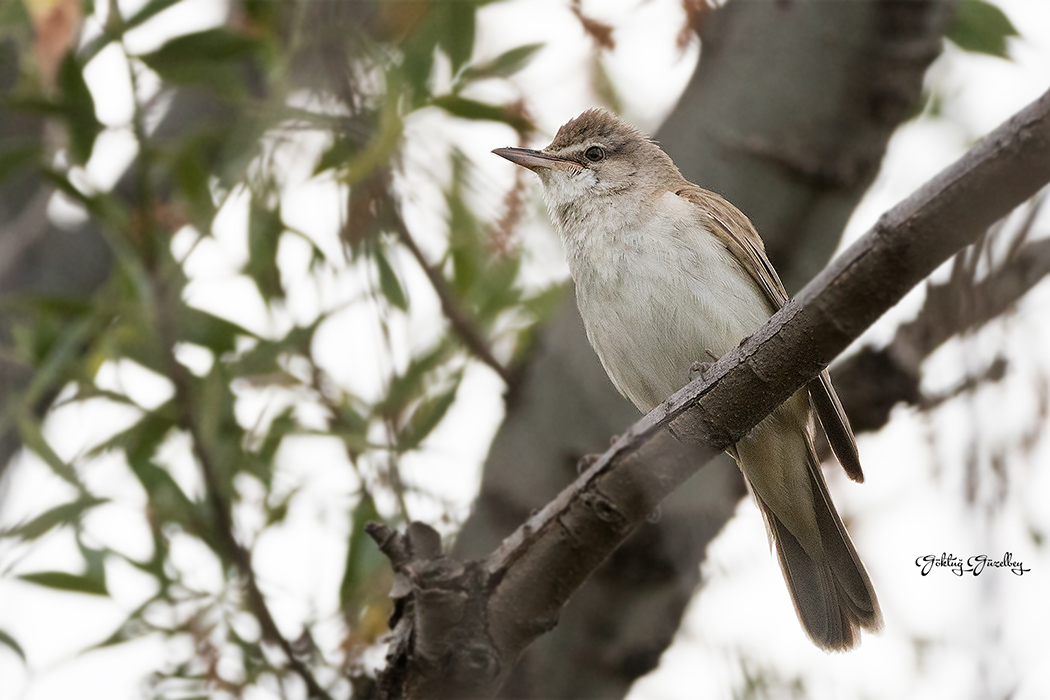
464, 238
9, 642
204, 329
263, 358
148, 11
14, 158
112, 32
362, 557
260, 462
336, 155
281, 426
351, 427
78, 107
472, 109
388, 282
277, 512
506, 64
65, 514
63, 581
142, 439
33, 438
133, 627
457, 39
192, 178
168, 503
496, 290
981, 27
412, 383
212, 57
14, 16
425, 418
61, 355
95, 559
264, 234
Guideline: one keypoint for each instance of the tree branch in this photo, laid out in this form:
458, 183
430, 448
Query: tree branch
533, 573
462, 324
874, 380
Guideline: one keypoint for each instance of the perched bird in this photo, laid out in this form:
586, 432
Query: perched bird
668, 273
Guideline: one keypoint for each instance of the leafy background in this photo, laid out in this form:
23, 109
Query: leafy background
318, 295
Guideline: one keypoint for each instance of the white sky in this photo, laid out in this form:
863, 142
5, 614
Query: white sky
985, 635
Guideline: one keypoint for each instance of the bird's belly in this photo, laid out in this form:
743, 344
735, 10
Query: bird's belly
664, 310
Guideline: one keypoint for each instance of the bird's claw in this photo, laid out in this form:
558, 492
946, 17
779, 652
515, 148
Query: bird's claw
586, 462
698, 368
701, 366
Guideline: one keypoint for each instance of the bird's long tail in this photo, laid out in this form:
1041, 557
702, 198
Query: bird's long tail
833, 597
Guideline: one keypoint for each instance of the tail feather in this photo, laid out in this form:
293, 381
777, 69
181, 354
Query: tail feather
834, 598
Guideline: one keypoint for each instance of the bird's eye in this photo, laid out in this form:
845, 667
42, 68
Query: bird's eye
594, 154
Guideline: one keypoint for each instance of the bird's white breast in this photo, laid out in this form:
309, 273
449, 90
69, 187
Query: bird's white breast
657, 291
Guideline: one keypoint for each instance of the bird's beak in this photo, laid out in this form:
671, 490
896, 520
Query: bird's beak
535, 160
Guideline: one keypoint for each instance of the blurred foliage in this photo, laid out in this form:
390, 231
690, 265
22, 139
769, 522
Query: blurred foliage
978, 27
276, 72
981, 27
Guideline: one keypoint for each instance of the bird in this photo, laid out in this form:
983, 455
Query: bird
667, 273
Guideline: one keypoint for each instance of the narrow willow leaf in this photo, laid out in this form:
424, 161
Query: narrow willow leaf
34, 439
506, 64
265, 227
78, 107
413, 382
425, 418
472, 109
388, 281
212, 57
9, 642
65, 514
63, 581
457, 38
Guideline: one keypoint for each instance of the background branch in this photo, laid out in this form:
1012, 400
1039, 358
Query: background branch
874, 380
464, 326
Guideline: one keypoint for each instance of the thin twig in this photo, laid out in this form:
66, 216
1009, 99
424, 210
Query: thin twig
223, 523
462, 324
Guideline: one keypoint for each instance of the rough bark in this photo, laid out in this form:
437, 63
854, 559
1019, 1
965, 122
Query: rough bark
788, 116
526, 581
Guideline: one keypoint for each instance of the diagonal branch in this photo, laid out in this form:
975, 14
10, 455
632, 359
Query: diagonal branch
874, 380
464, 326
533, 573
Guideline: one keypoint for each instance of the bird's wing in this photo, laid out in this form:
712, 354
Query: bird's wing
742, 240
738, 235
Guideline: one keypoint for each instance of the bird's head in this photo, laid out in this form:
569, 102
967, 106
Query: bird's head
596, 154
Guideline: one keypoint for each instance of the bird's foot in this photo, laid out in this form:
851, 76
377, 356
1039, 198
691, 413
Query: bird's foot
585, 462
700, 367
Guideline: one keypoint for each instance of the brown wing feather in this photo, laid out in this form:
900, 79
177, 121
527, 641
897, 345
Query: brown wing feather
742, 240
